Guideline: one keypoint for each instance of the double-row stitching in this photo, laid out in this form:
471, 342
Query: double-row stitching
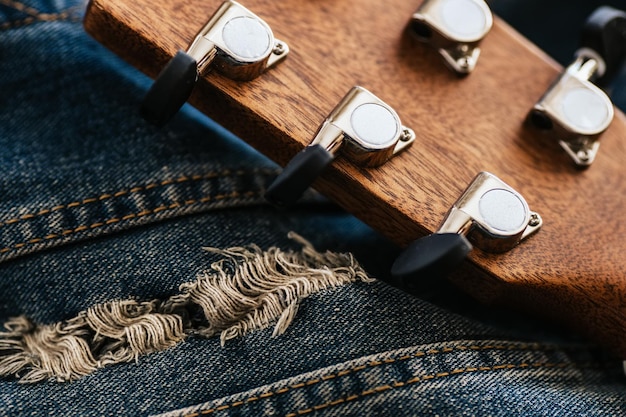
134, 190
20, 7
373, 364
43, 18
425, 378
128, 217
36, 16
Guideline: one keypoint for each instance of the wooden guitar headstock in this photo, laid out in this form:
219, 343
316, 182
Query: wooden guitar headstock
573, 270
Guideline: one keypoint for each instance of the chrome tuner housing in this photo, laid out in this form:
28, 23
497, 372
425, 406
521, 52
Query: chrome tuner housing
235, 42
492, 215
489, 214
367, 129
455, 28
362, 127
242, 44
574, 110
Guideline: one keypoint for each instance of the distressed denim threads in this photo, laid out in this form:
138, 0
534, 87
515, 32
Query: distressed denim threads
250, 289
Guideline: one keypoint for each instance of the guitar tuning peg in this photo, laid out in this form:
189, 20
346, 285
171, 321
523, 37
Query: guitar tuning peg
576, 110
489, 214
235, 41
455, 28
362, 127
604, 33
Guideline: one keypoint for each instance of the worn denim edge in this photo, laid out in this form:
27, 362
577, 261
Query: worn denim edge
529, 356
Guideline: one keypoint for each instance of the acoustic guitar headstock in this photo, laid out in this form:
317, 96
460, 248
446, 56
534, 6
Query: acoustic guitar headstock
572, 271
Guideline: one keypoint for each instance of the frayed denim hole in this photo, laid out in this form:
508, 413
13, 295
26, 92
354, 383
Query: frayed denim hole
248, 289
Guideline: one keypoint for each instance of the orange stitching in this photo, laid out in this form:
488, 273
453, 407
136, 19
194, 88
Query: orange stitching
20, 7
415, 380
51, 17
127, 217
373, 364
41, 18
17, 23
36, 15
211, 175
337, 402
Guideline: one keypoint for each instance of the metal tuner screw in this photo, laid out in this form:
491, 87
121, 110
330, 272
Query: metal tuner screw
235, 42
575, 111
455, 28
490, 214
362, 127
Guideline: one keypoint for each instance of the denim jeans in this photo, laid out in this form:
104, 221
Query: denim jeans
119, 241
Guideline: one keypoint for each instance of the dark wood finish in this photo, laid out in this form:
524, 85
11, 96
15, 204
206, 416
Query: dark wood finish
573, 270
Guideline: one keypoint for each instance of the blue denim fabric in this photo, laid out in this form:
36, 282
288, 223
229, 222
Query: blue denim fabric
99, 206
458, 378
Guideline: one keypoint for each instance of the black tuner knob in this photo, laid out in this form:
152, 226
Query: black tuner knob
236, 42
489, 214
298, 175
362, 127
170, 90
575, 110
434, 255
605, 33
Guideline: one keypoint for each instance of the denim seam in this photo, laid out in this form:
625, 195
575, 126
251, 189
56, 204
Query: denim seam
134, 190
373, 364
37, 16
42, 18
425, 378
131, 216
20, 7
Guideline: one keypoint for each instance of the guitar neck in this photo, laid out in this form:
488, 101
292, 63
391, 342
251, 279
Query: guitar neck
571, 271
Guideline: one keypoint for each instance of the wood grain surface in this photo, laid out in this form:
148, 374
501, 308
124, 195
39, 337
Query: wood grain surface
572, 271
